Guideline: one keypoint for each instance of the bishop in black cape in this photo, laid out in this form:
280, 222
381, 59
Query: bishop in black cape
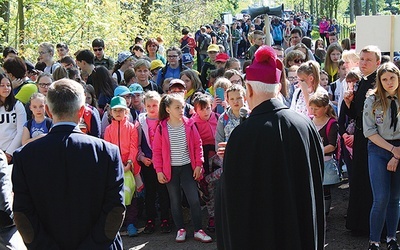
270, 194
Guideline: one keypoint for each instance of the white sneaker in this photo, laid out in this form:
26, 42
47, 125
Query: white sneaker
180, 235
202, 236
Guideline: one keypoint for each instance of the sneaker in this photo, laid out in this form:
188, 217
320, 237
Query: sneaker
132, 231
180, 235
211, 224
372, 246
202, 236
165, 227
392, 245
149, 228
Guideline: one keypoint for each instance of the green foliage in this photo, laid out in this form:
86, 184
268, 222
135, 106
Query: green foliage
78, 22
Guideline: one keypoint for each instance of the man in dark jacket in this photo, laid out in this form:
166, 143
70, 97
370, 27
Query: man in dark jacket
68, 186
270, 195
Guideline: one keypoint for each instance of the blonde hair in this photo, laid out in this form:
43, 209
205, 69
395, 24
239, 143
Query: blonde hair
151, 95
222, 82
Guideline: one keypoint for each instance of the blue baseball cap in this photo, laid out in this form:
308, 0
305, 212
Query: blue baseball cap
121, 91
136, 88
187, 58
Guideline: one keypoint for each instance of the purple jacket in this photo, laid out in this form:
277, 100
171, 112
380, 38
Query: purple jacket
162, 147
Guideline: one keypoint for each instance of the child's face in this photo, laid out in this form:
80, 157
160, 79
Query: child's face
137, 100
176, 109
324, 81
37, 107
308, 79
119, 113
89, 98
187, 81
152, 107
342, 71
235, 100
204, 113
292, 77
128, 99
258, 40
318, 112
335, 55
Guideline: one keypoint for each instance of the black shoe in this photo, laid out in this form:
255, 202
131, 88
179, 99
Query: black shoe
165, 227
372, 246
149, 228
392, 245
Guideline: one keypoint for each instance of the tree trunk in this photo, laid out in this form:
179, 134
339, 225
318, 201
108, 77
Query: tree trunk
367, 4
5, 14
357, 7
145, 11
373, 7
312, 7
21, 24
352, 11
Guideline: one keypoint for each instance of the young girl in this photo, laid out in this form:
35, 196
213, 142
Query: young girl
325, 121
308, 77
178, 160
206, 122
40, 125
381, 127
323, 80
12, 119
123, 133
148, 123
331, 64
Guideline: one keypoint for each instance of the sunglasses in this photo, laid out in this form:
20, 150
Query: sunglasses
298, 60
99, 49
172, 56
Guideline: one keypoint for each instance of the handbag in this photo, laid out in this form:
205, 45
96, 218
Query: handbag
331, 172
129, 187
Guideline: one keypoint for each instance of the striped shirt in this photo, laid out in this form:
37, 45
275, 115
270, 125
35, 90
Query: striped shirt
179, 147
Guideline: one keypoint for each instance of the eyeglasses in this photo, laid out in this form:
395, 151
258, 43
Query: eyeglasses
212, 52
127, 97
99, 49
237, 81
44, 85
43, 52
298, 60
172, 56
292, 78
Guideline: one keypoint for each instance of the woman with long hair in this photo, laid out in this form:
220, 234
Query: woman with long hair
331, 64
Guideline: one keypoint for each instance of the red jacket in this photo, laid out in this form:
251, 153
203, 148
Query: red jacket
124, 134
162, 147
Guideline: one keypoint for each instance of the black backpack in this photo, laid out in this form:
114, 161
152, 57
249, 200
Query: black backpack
205, 41
184, 45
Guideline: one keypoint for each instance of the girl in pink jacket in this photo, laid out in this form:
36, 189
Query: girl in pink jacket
178, 160
124, 134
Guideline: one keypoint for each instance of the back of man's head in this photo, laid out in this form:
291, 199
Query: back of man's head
85, 55
64, 99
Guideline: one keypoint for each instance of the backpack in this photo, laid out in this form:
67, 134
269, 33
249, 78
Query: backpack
336, 152
205, 41
277, 33
185, 45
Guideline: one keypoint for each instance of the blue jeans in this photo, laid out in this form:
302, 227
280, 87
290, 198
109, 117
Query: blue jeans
183, 177
385, 190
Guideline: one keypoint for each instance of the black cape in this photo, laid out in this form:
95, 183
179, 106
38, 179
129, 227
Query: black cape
270, 194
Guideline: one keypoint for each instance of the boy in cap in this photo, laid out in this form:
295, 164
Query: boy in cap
209, 64
283, 156
179, 87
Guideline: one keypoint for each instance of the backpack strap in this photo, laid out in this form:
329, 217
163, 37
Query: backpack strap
329, 125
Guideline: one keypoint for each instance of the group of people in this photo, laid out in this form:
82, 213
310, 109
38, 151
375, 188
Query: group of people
284, 122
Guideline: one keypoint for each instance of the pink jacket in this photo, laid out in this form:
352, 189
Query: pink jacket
162, 147
207, 129
124, 134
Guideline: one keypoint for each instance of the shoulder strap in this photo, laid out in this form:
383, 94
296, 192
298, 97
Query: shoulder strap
29, 125
119, 77
329, 125
48, 123
298, 95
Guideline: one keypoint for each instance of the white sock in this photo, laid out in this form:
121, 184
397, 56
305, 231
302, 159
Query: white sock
388, 239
